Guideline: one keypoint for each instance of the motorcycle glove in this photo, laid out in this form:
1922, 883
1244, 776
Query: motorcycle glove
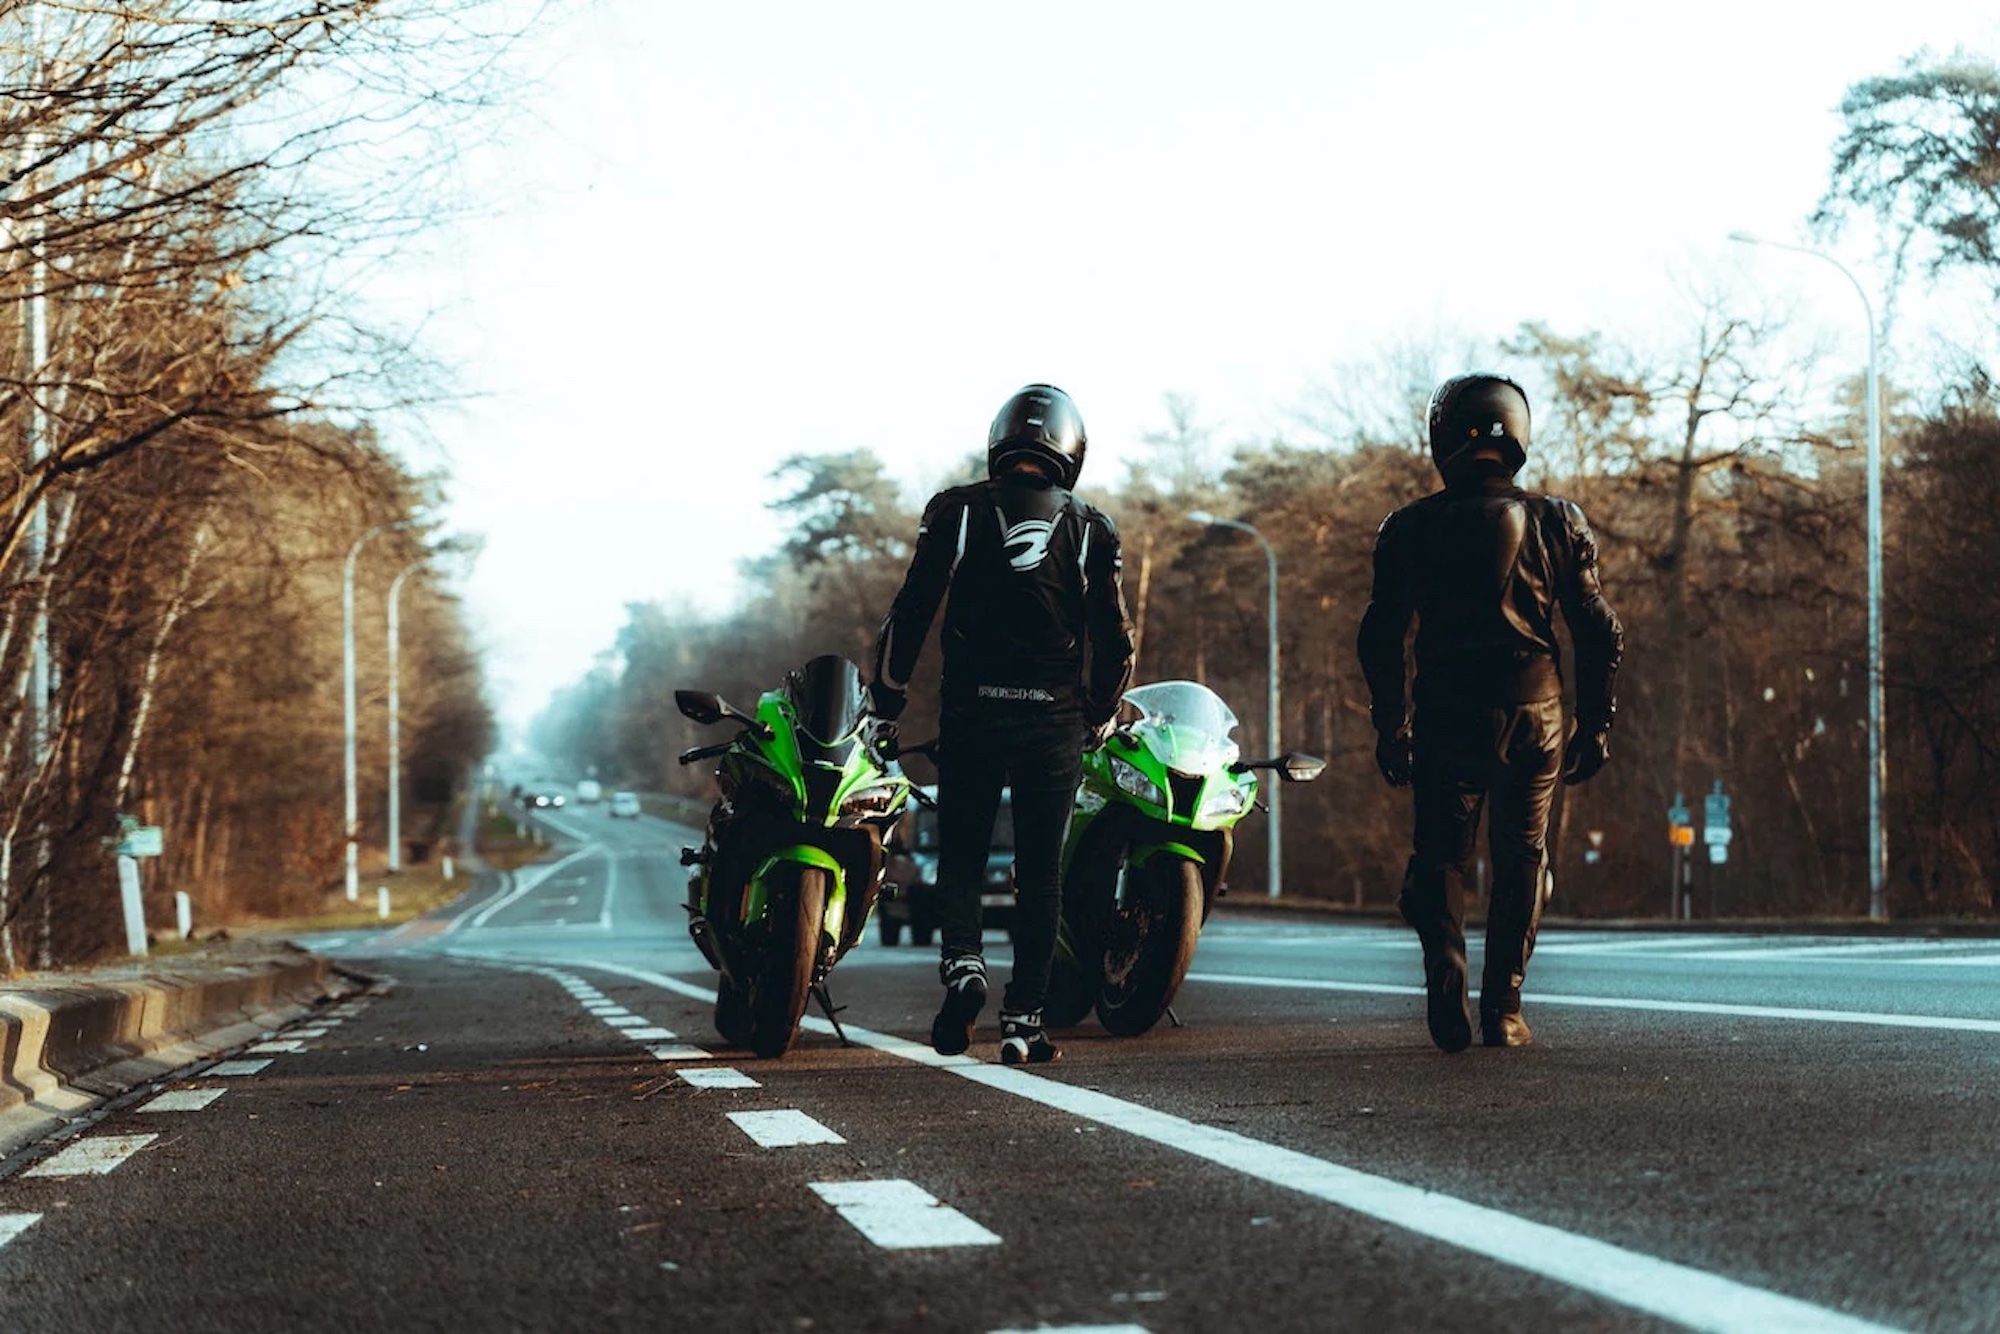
886, 744
1586, 753
1395, 757
886, 702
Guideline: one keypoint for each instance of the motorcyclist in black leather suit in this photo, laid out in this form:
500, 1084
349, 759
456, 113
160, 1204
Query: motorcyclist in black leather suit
1481, 566
1033, 575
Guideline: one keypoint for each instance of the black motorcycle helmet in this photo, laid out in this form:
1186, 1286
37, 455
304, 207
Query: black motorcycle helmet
1481, 408
1039, 422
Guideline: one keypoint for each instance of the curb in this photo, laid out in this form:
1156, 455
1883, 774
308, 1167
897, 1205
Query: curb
68, 1043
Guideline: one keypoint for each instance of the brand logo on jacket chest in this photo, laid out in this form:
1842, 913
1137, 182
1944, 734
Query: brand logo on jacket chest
1027, 542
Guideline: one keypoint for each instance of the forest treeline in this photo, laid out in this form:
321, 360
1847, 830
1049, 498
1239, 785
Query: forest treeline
190, 407
1723, 471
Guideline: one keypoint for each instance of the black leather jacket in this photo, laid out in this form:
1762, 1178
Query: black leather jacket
1482, 568
1034, 576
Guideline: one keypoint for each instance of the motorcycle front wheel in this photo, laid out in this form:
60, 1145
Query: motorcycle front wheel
778, 997
732, 1014
1149, 947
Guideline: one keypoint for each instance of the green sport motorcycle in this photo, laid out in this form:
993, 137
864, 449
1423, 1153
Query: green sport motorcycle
792, 860
1149, 845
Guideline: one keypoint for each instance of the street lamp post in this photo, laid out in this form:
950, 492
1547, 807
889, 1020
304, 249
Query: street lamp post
396, 719
1878, 849
1276, 872
353, 821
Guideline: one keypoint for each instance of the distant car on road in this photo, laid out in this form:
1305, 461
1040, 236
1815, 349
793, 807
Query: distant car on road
546, 800
625, 805
589, 792
913, 866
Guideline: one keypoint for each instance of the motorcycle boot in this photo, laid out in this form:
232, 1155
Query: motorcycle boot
1500, 1021
1022, 1041
964, 978
1424, 904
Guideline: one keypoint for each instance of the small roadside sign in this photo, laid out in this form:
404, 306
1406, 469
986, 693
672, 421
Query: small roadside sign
1682, 836
142, 841
1715, 830
1718, 853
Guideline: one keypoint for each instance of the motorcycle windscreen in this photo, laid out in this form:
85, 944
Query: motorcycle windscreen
1186, 725
828, 701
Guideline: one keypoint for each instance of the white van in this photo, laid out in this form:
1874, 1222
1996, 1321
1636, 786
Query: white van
588, 792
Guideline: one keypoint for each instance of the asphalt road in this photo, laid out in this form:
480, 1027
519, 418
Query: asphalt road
530, 1124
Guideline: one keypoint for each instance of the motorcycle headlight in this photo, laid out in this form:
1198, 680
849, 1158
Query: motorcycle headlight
1129, 779
1225, 801
872, 801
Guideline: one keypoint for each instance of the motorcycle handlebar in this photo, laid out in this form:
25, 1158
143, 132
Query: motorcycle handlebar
704, 752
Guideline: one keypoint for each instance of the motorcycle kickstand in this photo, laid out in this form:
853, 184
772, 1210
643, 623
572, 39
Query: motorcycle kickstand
1174, 1018
832, 1012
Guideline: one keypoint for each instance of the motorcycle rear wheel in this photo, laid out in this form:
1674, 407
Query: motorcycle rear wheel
791, 951
1149, 948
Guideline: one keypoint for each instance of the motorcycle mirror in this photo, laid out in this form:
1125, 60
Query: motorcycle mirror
701, 706
1298, 767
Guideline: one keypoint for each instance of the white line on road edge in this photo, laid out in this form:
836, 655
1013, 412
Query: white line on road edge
183, 1100
13, 1225
231, 1069
901, 1215
1630, 1278
717, 1077
1627, 1003
91, 1157
281, 1047
783, 1129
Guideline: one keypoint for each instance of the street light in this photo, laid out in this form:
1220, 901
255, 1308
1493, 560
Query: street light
353, 824
1878, 850
1276, 873
395, 720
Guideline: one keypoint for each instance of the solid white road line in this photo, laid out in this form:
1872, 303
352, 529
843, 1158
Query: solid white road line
610, 889
1950, 1022
783, 1129
524, 885
1626, 1277
13, 1225
1851, 949
281, 1047
91, 1157
183, 1100
718, 1077
232, 1069
901, 1215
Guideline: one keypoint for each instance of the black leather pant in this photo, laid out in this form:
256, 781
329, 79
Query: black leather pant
1504, 761
1040, 755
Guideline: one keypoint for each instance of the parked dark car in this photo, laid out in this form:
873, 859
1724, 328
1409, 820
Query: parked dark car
913, 863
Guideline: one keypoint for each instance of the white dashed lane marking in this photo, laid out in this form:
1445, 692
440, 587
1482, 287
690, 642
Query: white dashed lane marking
782, 1130
650, 1034
91, 1157
718, 1077
233, 1069
283, 1047
183, 1100
901, 1215
623, 1020
13, 1225
680, 1052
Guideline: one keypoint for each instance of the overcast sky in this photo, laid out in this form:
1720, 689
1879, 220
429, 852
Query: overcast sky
722, 234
